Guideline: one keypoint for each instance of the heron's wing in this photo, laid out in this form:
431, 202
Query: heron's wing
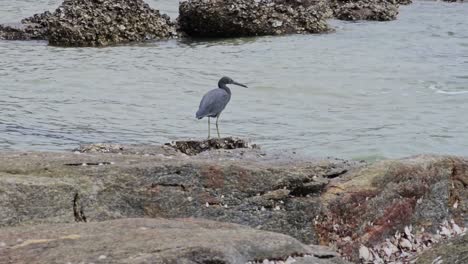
213, 103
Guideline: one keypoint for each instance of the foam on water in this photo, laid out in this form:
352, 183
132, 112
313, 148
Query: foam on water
440, 91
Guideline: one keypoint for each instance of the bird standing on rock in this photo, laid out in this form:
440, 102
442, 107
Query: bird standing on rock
214, 102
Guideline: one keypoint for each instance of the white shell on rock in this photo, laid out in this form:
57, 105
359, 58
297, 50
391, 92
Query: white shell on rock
364, 253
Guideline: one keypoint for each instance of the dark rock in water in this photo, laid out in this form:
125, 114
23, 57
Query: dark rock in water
369, 205
100, 23
194, 147
353, 10
30, 31
159, 241
404, 2
237, 18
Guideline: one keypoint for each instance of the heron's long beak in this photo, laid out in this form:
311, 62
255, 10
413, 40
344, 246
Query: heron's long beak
240, 84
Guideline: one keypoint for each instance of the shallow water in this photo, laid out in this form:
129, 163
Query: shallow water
370, 90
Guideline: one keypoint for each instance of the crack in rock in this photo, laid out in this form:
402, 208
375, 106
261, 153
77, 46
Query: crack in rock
78, 209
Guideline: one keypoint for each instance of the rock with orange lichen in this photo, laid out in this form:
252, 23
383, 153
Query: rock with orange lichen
368, 205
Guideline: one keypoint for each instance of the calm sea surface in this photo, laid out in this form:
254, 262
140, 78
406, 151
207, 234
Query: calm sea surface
370, 90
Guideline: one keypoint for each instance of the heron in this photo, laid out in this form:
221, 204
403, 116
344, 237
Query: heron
214, 102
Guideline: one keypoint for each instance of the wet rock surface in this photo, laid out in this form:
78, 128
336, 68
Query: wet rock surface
376, 202
95, 23
238, 18
152, 241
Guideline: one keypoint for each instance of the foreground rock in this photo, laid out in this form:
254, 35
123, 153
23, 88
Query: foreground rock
452, 251
390, 211
377, 10
238, 18
244, 186
94, 23
152, 241
396, 206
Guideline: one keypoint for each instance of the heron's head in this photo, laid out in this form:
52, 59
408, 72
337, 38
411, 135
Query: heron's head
226, 80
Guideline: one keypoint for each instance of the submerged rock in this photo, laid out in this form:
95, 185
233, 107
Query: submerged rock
157, 241
21, 31
372, 204
353, 10
97, 23
404, 2
238, 18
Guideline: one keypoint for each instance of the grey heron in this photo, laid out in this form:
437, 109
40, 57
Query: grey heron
214, 102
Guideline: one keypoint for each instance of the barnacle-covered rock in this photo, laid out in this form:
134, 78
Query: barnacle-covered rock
95, 23
237, 18
378, 10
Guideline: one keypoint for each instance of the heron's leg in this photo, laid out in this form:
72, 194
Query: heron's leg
208, 127
217, 128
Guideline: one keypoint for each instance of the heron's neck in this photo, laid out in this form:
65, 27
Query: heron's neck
224, 87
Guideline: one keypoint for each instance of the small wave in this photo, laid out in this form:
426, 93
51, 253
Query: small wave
440, 91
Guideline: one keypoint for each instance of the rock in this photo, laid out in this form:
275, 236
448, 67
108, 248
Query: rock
98, 23
194, 147
353, 10
393, 208
238, 18
404, 2
374, 203
452, 251
239, 186
100, 148
20, 31
150, 241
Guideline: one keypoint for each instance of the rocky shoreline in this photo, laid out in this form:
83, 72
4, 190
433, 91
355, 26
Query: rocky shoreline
82, 23
268, 206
